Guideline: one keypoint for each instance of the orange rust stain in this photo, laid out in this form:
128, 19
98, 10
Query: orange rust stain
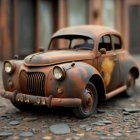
107, 68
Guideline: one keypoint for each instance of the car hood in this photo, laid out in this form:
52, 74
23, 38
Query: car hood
56, 57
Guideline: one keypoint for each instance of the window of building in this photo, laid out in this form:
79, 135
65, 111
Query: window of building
45, 22
134, 27
77, 12
26, 26
109, 13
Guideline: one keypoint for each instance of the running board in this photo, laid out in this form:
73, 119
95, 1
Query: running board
115, 92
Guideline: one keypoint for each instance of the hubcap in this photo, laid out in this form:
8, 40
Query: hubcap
87, 102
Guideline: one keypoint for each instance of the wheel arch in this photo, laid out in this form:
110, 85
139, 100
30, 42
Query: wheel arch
98, 82
135, 72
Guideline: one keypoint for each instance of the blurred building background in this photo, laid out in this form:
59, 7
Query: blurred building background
26, 25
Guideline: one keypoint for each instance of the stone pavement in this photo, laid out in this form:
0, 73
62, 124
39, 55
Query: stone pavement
1, 64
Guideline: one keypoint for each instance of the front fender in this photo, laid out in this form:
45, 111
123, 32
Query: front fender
10, 81
77, 76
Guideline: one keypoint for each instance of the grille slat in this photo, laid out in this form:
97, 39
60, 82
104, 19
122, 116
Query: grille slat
32, 83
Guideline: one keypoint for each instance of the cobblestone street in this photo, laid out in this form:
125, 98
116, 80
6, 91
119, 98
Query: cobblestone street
116, 119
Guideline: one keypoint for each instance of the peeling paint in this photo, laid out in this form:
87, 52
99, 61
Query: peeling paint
107, 68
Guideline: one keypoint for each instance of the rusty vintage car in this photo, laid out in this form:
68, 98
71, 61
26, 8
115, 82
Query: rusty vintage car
83, 64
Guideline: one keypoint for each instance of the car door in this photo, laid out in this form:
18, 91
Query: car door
119, 51
108, 63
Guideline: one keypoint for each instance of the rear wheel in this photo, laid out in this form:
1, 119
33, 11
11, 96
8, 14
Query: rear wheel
130, 85
89, 102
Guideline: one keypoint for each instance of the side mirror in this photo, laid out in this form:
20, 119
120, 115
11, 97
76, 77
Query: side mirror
103, 50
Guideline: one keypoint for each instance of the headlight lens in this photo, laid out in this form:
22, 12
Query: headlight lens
9, 67
59, 73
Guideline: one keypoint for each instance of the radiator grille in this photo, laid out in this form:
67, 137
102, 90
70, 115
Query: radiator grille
32, 83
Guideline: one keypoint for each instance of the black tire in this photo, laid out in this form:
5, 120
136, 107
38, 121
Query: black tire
89, 102
130, 85
23, 106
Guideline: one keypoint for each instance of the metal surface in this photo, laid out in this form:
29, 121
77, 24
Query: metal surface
92, 31
48, 101
29, 80
115, 92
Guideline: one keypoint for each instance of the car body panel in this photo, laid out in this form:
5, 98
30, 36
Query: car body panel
56, 57
92, 31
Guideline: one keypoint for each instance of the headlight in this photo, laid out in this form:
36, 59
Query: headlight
9, 67
59, 73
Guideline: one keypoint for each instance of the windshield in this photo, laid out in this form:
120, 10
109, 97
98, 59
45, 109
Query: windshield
71, 42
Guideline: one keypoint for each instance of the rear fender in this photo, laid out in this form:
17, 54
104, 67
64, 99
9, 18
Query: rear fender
129, 66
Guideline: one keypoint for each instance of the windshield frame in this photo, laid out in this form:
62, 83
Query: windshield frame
70, 38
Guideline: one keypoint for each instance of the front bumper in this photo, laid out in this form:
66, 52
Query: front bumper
38, 100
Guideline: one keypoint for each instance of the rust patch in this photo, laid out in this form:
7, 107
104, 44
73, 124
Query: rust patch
107, 68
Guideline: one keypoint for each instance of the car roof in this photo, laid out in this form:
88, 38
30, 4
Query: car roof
91, 31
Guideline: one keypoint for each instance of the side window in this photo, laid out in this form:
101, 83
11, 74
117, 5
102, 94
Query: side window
105, 42
117, 42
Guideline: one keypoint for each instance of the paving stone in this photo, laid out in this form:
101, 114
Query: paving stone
99, 133
126, 113
30, 119
82, 126
80, 134
34, 130
106, 121
117, 134
76, 138
133, 105
74, 130
45, 126
47, 138
16, 138
2, 106
101, 111
70, 138
4, 116
110, 129
26, 134
135, 126
107, 138
44, 131
131, 110
88, 129
5, 134
14, 123
98, 123
5, 127
60, 128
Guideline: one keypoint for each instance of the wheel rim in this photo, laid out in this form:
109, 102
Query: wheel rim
88, 101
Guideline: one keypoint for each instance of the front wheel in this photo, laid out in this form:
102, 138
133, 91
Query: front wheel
89, 102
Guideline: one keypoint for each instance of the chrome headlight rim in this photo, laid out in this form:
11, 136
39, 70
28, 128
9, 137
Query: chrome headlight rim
11, 66
59, 70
